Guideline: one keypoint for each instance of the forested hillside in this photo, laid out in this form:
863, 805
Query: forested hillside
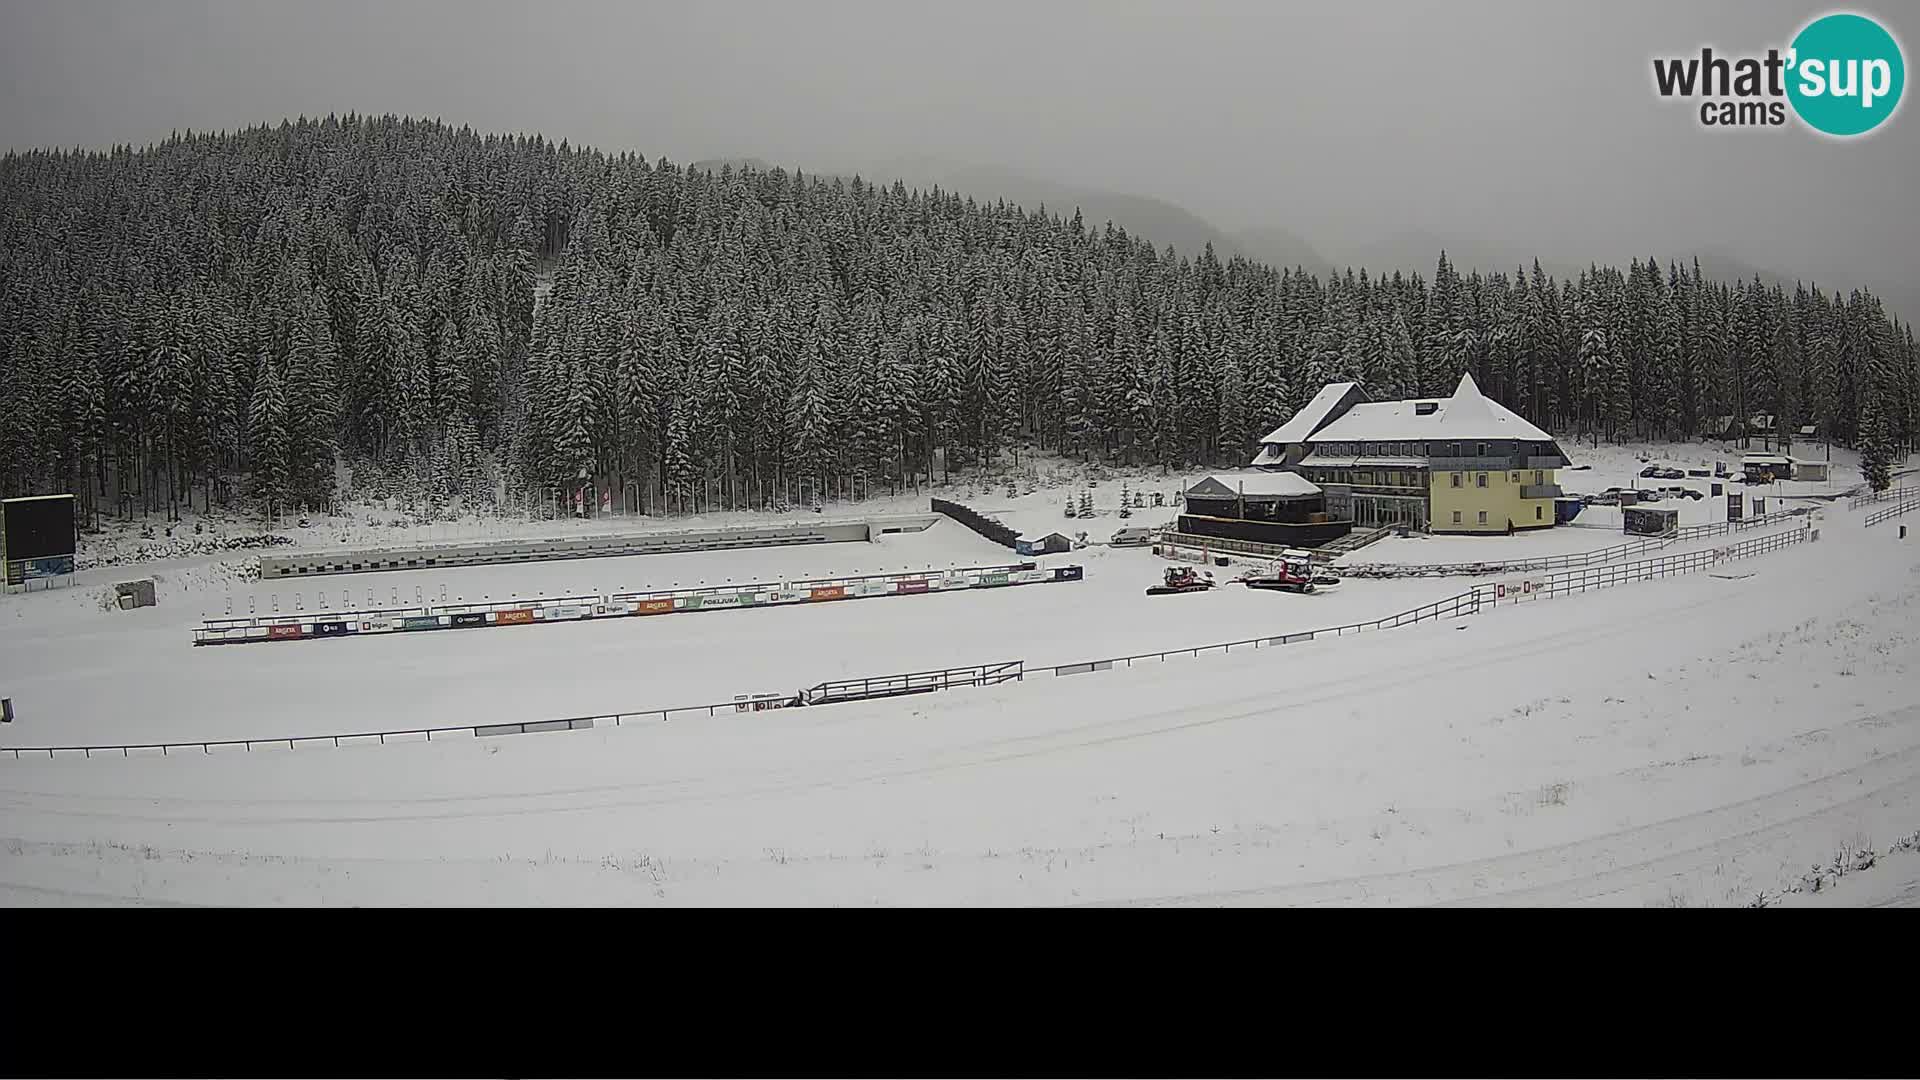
218, 317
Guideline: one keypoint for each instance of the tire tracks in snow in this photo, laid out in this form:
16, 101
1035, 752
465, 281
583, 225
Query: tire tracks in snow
1712, 836
1070, 740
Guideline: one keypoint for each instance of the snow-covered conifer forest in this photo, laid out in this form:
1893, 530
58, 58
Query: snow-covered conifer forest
221, 318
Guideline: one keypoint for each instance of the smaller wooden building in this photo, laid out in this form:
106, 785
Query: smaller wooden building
1043, 545
1650, 520
1262, 507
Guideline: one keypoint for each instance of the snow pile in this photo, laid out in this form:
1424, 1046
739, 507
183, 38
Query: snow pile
118, 551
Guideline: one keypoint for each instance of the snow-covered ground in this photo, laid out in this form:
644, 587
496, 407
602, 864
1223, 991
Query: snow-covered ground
1691, 741
80, 675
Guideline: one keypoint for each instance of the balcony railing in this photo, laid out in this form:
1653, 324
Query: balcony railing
1541, 491
1474, 464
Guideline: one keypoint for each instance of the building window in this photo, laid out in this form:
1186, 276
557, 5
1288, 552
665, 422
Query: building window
1483, 450
1483, 517
1456, 517
1483, 480
1536, 477
1538, 513
1515, 478
1456, 479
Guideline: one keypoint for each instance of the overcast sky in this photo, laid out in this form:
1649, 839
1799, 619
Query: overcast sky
1531, 125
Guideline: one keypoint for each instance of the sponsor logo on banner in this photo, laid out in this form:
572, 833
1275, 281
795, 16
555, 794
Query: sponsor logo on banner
690, 603
283, 632
516, 615
1519, 589
989, 580
470, 618
323, 629
909, 586
831, 592
21, 571
653, 607
420, 622
563, 611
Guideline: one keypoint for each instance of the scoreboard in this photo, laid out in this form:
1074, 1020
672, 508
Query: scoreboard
37, 537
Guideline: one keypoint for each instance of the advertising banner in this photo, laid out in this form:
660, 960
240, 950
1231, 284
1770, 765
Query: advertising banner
21, 571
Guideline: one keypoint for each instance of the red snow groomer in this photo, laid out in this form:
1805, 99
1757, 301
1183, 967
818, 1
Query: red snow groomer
1292, 572
1181, 579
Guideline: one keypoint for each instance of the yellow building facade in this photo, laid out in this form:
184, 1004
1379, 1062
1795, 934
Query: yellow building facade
1458, 464
1491, 501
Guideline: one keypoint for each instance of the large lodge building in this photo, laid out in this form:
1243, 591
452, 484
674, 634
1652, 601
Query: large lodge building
1461, 464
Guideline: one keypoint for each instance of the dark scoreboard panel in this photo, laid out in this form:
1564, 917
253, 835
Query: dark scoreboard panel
37, 528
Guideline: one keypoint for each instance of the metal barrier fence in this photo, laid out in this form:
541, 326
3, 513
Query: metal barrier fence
1466, 603
1477, 569
1578, 581
917, 682
836, 691
1879, 516
1872, 497
1228, 546
1574, 561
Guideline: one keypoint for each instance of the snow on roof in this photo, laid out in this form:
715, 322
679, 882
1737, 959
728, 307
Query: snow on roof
1310, 416
1268, 484
1776, 459
1468, 414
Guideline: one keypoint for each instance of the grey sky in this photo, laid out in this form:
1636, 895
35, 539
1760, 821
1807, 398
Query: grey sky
1529, 126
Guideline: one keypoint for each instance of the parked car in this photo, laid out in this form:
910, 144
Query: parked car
1133, 536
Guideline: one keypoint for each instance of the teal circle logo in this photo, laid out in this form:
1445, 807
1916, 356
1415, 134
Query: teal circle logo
1846, 75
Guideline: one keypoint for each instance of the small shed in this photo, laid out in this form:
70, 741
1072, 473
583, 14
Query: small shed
134, 594
1650, 520
1043, 545
1778, 466
1814, 471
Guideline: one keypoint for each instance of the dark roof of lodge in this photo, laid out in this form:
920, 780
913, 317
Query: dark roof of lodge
1255, 485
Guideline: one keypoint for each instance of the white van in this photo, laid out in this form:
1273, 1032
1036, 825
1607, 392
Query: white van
1134, 536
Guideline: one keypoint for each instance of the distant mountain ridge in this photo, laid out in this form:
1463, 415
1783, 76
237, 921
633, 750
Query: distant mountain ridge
1165, 223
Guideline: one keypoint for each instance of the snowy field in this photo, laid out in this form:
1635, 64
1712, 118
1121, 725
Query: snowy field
80, 675
1686, 742
1692, 741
